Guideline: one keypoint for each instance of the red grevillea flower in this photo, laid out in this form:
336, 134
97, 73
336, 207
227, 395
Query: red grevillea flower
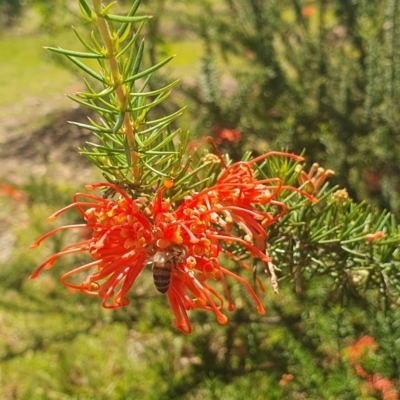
360, 348
229, 135
307, 11
376, 383
118, 246
203, 222
10, 191
183, 242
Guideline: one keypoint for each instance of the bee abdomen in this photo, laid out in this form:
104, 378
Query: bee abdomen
162, 278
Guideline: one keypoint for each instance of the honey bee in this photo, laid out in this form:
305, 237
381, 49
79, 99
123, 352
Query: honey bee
163, 263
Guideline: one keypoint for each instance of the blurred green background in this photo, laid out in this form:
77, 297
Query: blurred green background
319, 75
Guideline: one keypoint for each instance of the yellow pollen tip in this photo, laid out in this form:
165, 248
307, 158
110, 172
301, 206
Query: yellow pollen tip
178, 239
190, 262
222, 319
168, 183
260, 309
89, 187
93, 286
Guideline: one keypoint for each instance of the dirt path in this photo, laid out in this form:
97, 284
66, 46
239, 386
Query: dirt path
42, 142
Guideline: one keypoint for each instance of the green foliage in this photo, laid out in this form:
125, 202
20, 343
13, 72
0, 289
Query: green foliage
320, 76
85, 352
9, 11
133, 150
331, 238
61, 345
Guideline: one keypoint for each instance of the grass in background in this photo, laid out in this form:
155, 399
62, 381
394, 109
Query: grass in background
25, 70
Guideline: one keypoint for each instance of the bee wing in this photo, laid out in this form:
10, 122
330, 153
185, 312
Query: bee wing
159, 257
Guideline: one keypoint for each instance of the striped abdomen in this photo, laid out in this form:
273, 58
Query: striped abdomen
162, 275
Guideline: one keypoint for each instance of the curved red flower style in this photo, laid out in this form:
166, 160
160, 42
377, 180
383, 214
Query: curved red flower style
118, 246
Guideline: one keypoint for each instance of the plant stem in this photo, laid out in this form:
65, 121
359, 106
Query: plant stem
117, 80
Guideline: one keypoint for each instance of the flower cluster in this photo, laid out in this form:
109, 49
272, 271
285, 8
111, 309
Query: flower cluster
118, 245
225, 134
315, 178
375, 382
183, 242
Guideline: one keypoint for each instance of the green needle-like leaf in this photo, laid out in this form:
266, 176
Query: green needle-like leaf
154, 92
167, 118
125, 33
134, 62
120, 18
127, 151
74, 53
86, 126
96, 44
390, 241
131, 12
131, 42
92, 106
182, 172
108, 7
155, 135
191, 174
149, 70
83, 41
151, 105
152, 131
157, 172
85, 68
103, 93
352, 240
86, 11
150, 152
106, 127
351, 251
119, 122
385, 216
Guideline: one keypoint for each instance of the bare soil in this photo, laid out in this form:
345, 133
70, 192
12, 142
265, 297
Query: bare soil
47, 146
